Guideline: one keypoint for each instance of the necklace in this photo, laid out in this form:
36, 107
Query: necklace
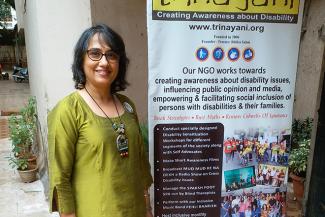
119, 128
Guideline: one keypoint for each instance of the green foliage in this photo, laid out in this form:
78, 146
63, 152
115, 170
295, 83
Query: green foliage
298, 158
5, 10
21, 135
301, 134
22, 131
144, 133
301, 131
11, 3
18, 163
7, 37
29, 112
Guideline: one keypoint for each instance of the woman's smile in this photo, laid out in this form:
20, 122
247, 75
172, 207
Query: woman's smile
100, 72
103, 71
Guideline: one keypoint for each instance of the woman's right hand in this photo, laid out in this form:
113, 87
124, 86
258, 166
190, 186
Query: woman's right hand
149, 213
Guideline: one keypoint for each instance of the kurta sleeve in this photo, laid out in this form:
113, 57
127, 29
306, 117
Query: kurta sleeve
145, 167
62, 137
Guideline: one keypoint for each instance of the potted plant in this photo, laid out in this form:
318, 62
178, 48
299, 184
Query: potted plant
26, 169
22, 132
298, 159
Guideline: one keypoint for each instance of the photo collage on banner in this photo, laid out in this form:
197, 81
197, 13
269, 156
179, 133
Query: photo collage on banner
221, 90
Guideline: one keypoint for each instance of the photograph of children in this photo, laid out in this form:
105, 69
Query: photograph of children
256, 146
238, 152
273, 152
254, 204
240, 178
271, 175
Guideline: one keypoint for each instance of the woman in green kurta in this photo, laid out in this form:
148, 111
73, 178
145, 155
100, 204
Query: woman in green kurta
98, 165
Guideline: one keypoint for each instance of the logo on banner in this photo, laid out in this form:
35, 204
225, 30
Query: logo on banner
248, 54
218, 54
202, 54
233, 54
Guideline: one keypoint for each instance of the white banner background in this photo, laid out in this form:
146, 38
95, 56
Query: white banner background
173, 62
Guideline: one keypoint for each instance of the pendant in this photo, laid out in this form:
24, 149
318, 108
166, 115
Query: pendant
120, 129
122, 145
122, 141
115, 126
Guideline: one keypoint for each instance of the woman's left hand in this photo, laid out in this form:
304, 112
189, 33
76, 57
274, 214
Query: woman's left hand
149, 213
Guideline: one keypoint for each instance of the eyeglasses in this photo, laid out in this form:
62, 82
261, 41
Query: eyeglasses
97, 55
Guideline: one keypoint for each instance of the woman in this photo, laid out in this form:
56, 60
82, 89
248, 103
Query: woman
281, 177
98, 165
256, 211
265, 211
225, 205
242, 207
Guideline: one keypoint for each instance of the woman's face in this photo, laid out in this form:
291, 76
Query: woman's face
102, 73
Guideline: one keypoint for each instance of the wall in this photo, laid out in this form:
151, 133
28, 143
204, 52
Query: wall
51, 31
19, 4
309, 75
128, 18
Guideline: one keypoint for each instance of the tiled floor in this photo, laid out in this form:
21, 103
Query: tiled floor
17, 199
13, 95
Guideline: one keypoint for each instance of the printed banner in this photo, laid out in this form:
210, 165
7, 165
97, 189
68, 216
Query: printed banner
221, 90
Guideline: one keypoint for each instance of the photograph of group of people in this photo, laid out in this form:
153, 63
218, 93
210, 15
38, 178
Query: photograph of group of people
245, 151
254, 204
271, 175
240, 178
255, 173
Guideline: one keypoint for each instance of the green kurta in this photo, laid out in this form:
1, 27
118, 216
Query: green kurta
87, 174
